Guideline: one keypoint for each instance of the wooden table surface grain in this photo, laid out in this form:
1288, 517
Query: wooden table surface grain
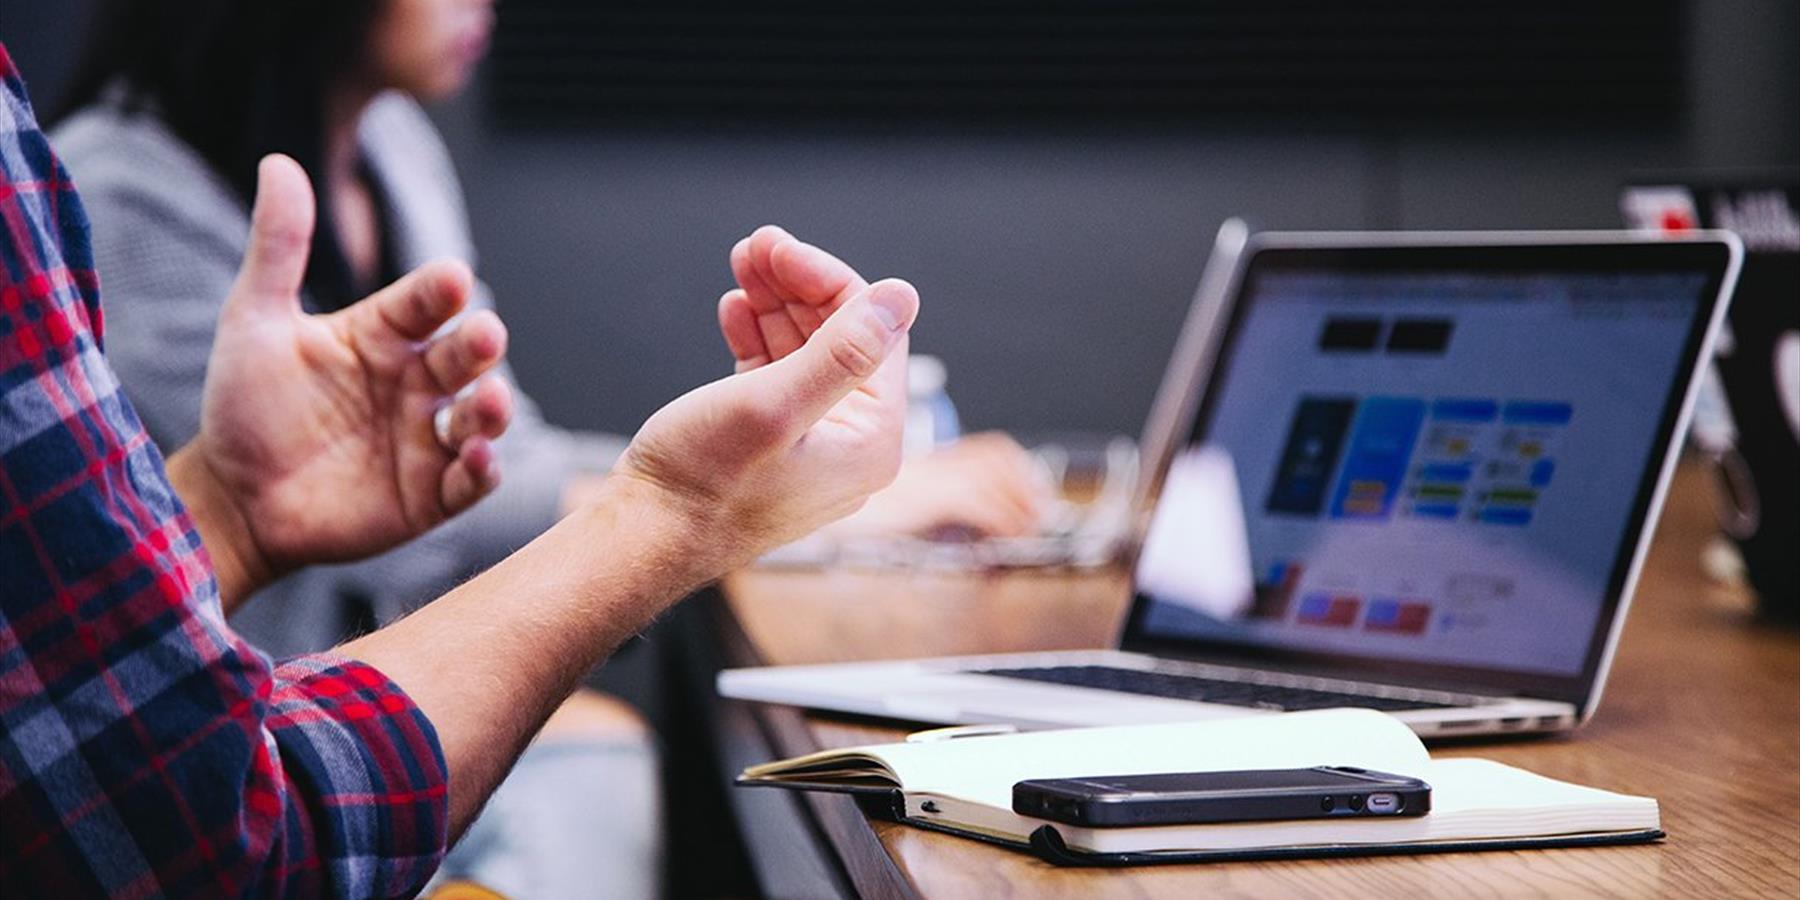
1702, 712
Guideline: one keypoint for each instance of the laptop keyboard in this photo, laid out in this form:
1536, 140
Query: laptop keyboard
1207, 690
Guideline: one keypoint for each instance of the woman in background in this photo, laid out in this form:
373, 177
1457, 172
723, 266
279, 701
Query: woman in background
171, 107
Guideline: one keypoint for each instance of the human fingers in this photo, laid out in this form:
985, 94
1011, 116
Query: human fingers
418, 304
975, 506
281, 227
1020, 514
967, 485
474, 346
737, 322
472, 475
783, 332
763, 242
807, 318
847, 351
984, 513
780, 333
750, 271
1005, 521
988, 442
1002, 513
484, 412
812, 275
793, 286
1011, 468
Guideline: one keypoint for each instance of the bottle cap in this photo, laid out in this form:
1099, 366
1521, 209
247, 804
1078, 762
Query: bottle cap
925, 376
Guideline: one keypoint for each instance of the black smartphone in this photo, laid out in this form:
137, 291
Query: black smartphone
1197, 798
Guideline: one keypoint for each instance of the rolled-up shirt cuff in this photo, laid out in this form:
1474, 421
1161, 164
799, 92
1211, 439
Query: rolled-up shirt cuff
367, 780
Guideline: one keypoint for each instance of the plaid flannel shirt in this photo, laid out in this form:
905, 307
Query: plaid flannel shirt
146, 750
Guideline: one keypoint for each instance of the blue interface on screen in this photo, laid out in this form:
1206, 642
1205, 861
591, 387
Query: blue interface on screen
1428, 467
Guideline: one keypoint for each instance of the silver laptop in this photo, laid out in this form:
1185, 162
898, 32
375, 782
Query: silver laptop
1412, 472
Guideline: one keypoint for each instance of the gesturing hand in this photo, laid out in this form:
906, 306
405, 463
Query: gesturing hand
316, 431
786, 289
810, 424
985, 484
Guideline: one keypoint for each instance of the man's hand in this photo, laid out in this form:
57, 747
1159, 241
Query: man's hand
985, 484
786, 289
808, 427
805, 430
317, 440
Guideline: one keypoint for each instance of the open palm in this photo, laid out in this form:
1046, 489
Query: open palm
320, 427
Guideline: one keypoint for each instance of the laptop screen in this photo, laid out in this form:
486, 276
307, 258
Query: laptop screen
1432, 459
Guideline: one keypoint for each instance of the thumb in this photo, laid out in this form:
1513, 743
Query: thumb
844, 354
281, 227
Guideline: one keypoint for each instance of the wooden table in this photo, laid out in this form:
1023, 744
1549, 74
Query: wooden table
1702, 712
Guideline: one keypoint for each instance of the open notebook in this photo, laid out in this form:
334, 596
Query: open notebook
964, 785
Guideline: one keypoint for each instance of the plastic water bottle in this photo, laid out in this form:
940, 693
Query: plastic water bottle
931, 419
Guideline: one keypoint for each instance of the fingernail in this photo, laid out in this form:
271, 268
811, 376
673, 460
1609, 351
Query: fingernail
889, 307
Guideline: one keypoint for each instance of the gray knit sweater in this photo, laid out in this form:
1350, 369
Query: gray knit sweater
168, 237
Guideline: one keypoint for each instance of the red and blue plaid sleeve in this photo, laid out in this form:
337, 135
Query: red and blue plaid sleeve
145, 750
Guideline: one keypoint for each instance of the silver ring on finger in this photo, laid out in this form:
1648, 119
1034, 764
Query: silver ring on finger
440, 426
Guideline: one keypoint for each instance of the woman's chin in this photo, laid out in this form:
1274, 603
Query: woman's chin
441, 87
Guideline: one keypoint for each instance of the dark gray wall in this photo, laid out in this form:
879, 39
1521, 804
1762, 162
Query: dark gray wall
1055, 270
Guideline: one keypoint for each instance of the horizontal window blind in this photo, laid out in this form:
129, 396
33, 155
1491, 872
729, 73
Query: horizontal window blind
1553, 63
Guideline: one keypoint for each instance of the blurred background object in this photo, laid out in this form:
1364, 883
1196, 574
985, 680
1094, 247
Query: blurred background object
1088, 481
1747, 419
1050, 174
931, 419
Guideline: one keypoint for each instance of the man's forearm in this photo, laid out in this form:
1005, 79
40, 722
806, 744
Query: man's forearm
489, 661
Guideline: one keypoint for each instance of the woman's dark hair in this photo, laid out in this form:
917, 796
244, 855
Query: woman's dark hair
236, 80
